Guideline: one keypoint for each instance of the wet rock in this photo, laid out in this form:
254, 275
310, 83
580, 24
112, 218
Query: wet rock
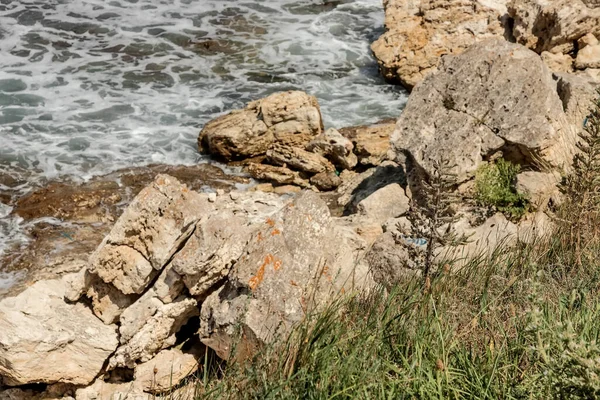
85, 214
496, 96
166, 370
288, 118
371, 143
147, 235
385, 203
326, 181
277, 282
298, 159
335, 147
45, 340
419, 32
276, 175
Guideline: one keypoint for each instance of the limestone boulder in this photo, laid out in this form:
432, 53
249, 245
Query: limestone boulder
290, 118
539, 187
390, 260
101, 390
147, 235
495, 97
220, 238
150, 336
577, 93
277, 281
43, 339
418, 33
371, 143
553, 25
326, 181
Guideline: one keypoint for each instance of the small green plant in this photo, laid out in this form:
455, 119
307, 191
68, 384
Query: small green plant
495, 187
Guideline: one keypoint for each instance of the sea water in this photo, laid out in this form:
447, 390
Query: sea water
91, 86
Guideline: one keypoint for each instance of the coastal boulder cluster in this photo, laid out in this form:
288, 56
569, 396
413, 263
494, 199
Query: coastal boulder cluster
184, 271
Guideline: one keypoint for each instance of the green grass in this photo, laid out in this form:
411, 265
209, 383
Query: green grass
517, 325
495, 187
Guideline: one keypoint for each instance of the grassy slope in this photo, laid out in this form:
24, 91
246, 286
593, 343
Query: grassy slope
518, 325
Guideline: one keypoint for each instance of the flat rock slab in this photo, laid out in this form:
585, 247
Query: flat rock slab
45, 340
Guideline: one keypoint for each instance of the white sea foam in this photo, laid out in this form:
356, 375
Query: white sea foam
89, 86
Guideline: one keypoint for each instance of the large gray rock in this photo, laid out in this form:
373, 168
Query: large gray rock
297, 261
291, 118
496, 96
45, 340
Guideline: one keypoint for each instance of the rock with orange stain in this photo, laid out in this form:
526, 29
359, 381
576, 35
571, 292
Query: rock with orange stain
302, 254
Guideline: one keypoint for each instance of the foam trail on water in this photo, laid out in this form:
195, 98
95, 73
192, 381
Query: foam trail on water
90, 86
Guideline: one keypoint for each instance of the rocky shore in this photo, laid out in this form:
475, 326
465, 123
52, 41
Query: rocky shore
151, 269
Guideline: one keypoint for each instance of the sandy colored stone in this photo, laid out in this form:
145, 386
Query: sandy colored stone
388, 202
276, 175
335, 147
166, 370
290, 118
155, 334
147, 235
418, 33
277, 281
371, 143
553, 25
45, 340
298, 159
588, 57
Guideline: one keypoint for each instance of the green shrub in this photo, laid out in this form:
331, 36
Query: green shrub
495, 187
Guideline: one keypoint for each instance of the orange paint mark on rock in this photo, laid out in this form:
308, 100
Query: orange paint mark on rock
275, 232
270, 222
260, 274
277, 264
260, 237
